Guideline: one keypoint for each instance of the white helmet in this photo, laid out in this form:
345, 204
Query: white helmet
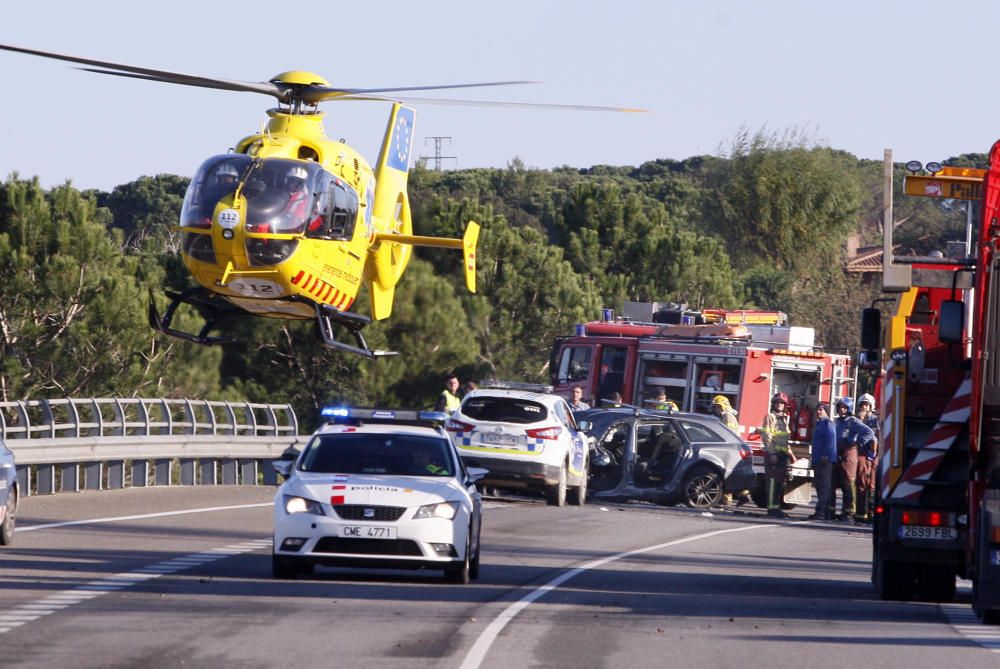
297, 173
866, 399
227, 169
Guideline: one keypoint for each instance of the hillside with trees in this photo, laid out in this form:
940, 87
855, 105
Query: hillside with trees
765, 224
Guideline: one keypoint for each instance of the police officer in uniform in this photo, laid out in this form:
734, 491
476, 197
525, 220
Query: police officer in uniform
448, 401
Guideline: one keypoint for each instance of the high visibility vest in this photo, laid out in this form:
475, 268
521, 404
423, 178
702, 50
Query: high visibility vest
776, 432
451, 402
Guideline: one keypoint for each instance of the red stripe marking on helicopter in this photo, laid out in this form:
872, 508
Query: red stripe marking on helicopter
347, 306
343, 302
298, 277
336, 297
318, 287
330, 294
324, 290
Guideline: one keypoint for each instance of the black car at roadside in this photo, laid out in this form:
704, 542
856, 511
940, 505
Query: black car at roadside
664, 457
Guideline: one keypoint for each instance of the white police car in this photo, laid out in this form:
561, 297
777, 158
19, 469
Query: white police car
526, 437
8, 495
378, 488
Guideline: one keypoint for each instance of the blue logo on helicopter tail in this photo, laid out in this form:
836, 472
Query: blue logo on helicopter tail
401, 140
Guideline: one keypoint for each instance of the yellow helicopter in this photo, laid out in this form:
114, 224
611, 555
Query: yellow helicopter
290, 223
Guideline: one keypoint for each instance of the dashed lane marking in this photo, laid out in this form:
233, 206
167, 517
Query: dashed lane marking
26, 613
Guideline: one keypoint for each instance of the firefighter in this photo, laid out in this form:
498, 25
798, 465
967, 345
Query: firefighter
852, 435
867, 460
775, 434
662, 402
722, 410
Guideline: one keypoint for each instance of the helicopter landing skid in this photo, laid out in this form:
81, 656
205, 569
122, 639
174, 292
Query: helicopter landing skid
327, 316
201, 300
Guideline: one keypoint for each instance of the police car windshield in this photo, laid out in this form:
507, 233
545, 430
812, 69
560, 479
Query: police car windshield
379, 454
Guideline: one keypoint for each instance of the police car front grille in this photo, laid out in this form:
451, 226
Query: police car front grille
367, 546
357, 512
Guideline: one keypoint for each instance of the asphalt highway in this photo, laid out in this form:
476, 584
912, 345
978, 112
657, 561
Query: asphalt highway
180, 577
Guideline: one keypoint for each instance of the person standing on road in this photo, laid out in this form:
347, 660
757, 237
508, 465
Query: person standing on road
851, 434
867, 460
576, 402
448, 401
775, 434
823, 454
723, 410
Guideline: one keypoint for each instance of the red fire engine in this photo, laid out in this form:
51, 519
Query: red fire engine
744, 355
938, 504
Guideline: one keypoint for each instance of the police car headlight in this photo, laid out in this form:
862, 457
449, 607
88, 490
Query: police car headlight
302, 505
446, 510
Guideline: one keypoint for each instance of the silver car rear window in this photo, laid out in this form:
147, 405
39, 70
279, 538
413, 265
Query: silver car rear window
504, 410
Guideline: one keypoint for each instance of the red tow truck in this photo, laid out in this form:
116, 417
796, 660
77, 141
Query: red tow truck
938, 499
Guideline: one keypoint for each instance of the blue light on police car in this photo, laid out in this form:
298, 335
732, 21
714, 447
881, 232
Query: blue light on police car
335, 412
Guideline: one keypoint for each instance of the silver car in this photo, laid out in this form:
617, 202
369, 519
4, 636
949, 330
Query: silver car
664, 457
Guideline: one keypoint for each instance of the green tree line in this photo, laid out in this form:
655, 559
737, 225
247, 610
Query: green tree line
764, 224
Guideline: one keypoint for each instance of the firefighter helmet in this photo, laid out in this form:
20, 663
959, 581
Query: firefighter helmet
867, 399
722, 401
846, 402
780, 397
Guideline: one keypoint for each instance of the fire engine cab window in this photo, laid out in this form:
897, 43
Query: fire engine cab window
612, 372
574, 364
504, 410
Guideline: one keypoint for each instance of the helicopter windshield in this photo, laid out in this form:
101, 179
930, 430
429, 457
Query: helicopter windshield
280, 195
216, 179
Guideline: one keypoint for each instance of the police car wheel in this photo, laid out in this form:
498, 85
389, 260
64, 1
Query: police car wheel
555, 494
284, 567
7, 528
461, 573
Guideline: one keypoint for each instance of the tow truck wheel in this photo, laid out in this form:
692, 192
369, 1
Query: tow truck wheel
555, 494
987, 616
7, 528
893, 580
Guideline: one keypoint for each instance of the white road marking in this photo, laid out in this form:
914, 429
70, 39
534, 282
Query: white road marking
965, 621
163, 514
477, 653
31, 611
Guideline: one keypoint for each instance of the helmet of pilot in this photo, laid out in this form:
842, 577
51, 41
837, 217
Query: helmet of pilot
296, 178
227, 174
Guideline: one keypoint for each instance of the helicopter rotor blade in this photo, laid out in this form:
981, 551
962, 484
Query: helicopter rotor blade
492, 103
316, 94
104, 67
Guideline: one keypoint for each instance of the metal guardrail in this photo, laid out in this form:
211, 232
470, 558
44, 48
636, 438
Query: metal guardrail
110, 443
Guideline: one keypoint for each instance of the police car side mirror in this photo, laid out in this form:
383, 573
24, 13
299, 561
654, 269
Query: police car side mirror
283, 467
474, 474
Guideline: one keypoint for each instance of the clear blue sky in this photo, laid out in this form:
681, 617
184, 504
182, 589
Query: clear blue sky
841, 72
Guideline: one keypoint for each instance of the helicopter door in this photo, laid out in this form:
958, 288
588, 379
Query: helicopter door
335, 211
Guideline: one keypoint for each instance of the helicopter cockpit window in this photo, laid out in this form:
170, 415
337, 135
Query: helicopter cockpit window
280, 194
215, 180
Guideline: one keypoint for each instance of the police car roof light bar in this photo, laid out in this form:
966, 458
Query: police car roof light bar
494, 384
